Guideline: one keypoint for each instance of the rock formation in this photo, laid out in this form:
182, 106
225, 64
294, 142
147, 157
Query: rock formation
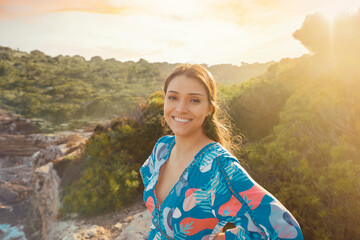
31, 166
14, 124
47, 195
28, 183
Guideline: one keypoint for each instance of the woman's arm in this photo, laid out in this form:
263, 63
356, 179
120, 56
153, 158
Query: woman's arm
255, 212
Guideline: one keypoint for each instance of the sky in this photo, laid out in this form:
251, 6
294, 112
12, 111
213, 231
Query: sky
186, 31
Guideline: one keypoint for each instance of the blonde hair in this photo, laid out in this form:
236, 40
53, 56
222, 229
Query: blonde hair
215, 129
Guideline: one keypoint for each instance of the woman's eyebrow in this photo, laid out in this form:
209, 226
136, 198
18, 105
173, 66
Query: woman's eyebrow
189, 93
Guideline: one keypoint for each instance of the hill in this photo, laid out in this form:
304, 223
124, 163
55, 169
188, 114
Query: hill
65, 92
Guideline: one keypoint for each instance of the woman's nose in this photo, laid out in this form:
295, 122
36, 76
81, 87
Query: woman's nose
181, 107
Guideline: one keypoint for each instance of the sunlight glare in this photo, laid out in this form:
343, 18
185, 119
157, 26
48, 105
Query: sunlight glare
330, 12
333, 9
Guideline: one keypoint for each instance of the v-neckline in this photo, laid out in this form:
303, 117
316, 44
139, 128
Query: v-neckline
158, 205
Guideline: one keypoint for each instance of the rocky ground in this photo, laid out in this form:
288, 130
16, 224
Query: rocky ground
130, 223
30, 171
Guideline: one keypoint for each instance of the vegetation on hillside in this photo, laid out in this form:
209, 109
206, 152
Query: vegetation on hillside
302, 121
109, 177
69, 89
68, 92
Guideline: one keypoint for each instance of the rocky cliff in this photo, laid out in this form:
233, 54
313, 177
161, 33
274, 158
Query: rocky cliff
28, 182
29, 188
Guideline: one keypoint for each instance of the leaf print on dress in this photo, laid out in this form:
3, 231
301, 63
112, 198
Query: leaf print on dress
151, 182
251, 227
157, 236
253, 196
146, 170
150, 204
161, 151
182, 183
216, 187
282, 222
198, 225
177, 213
150, 161
230, 208
179, 233
167, 215
204, 198
237, 175
218, 228
239, 232
206, 162
190, 201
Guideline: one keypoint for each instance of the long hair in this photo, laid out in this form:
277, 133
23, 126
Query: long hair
214, 128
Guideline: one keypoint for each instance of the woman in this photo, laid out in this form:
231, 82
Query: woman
193, 185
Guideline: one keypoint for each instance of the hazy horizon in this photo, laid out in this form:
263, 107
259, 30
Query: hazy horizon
202, 31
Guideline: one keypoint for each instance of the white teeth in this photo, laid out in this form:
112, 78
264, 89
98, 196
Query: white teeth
181, 120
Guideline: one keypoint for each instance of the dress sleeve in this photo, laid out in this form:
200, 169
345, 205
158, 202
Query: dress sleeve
150, 164
237, 198
147, 169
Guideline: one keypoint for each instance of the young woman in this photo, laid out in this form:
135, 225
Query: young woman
193, 185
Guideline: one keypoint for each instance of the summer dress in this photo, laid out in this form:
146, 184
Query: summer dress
212, 191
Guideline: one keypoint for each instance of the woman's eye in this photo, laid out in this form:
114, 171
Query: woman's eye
171, 97
195, 100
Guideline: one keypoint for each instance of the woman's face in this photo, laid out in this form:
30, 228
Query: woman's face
186, 106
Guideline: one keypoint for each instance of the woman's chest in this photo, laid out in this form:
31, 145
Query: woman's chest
186, 210
169, 175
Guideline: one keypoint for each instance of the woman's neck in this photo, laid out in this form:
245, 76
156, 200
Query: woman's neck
185, 146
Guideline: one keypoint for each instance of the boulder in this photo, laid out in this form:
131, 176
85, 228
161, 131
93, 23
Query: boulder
47, 196
137, 228
12, 193
14, 124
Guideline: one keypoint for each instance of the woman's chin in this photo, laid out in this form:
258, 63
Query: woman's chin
185, 133
181, 133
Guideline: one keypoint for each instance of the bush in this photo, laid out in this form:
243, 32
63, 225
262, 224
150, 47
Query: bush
109, 177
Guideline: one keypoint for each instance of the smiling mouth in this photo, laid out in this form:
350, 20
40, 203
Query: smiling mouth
181, 120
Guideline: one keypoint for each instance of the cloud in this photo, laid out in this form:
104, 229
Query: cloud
198, 30
173, 10
245, 11
259, 13
275, 49
20, 8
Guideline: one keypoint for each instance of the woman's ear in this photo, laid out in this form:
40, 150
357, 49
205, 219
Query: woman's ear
211, 110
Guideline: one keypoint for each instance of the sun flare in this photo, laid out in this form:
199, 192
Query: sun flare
330, 14
331, 11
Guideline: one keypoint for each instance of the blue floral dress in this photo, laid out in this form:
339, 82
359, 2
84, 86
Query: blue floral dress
212, 191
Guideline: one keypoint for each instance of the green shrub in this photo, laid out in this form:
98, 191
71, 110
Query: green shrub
109, 177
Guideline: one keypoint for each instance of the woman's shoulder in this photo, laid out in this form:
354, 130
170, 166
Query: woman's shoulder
207, 165
158, 154
231, 171
163, 142
219, 165
162, 146
215, 153
166, 139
